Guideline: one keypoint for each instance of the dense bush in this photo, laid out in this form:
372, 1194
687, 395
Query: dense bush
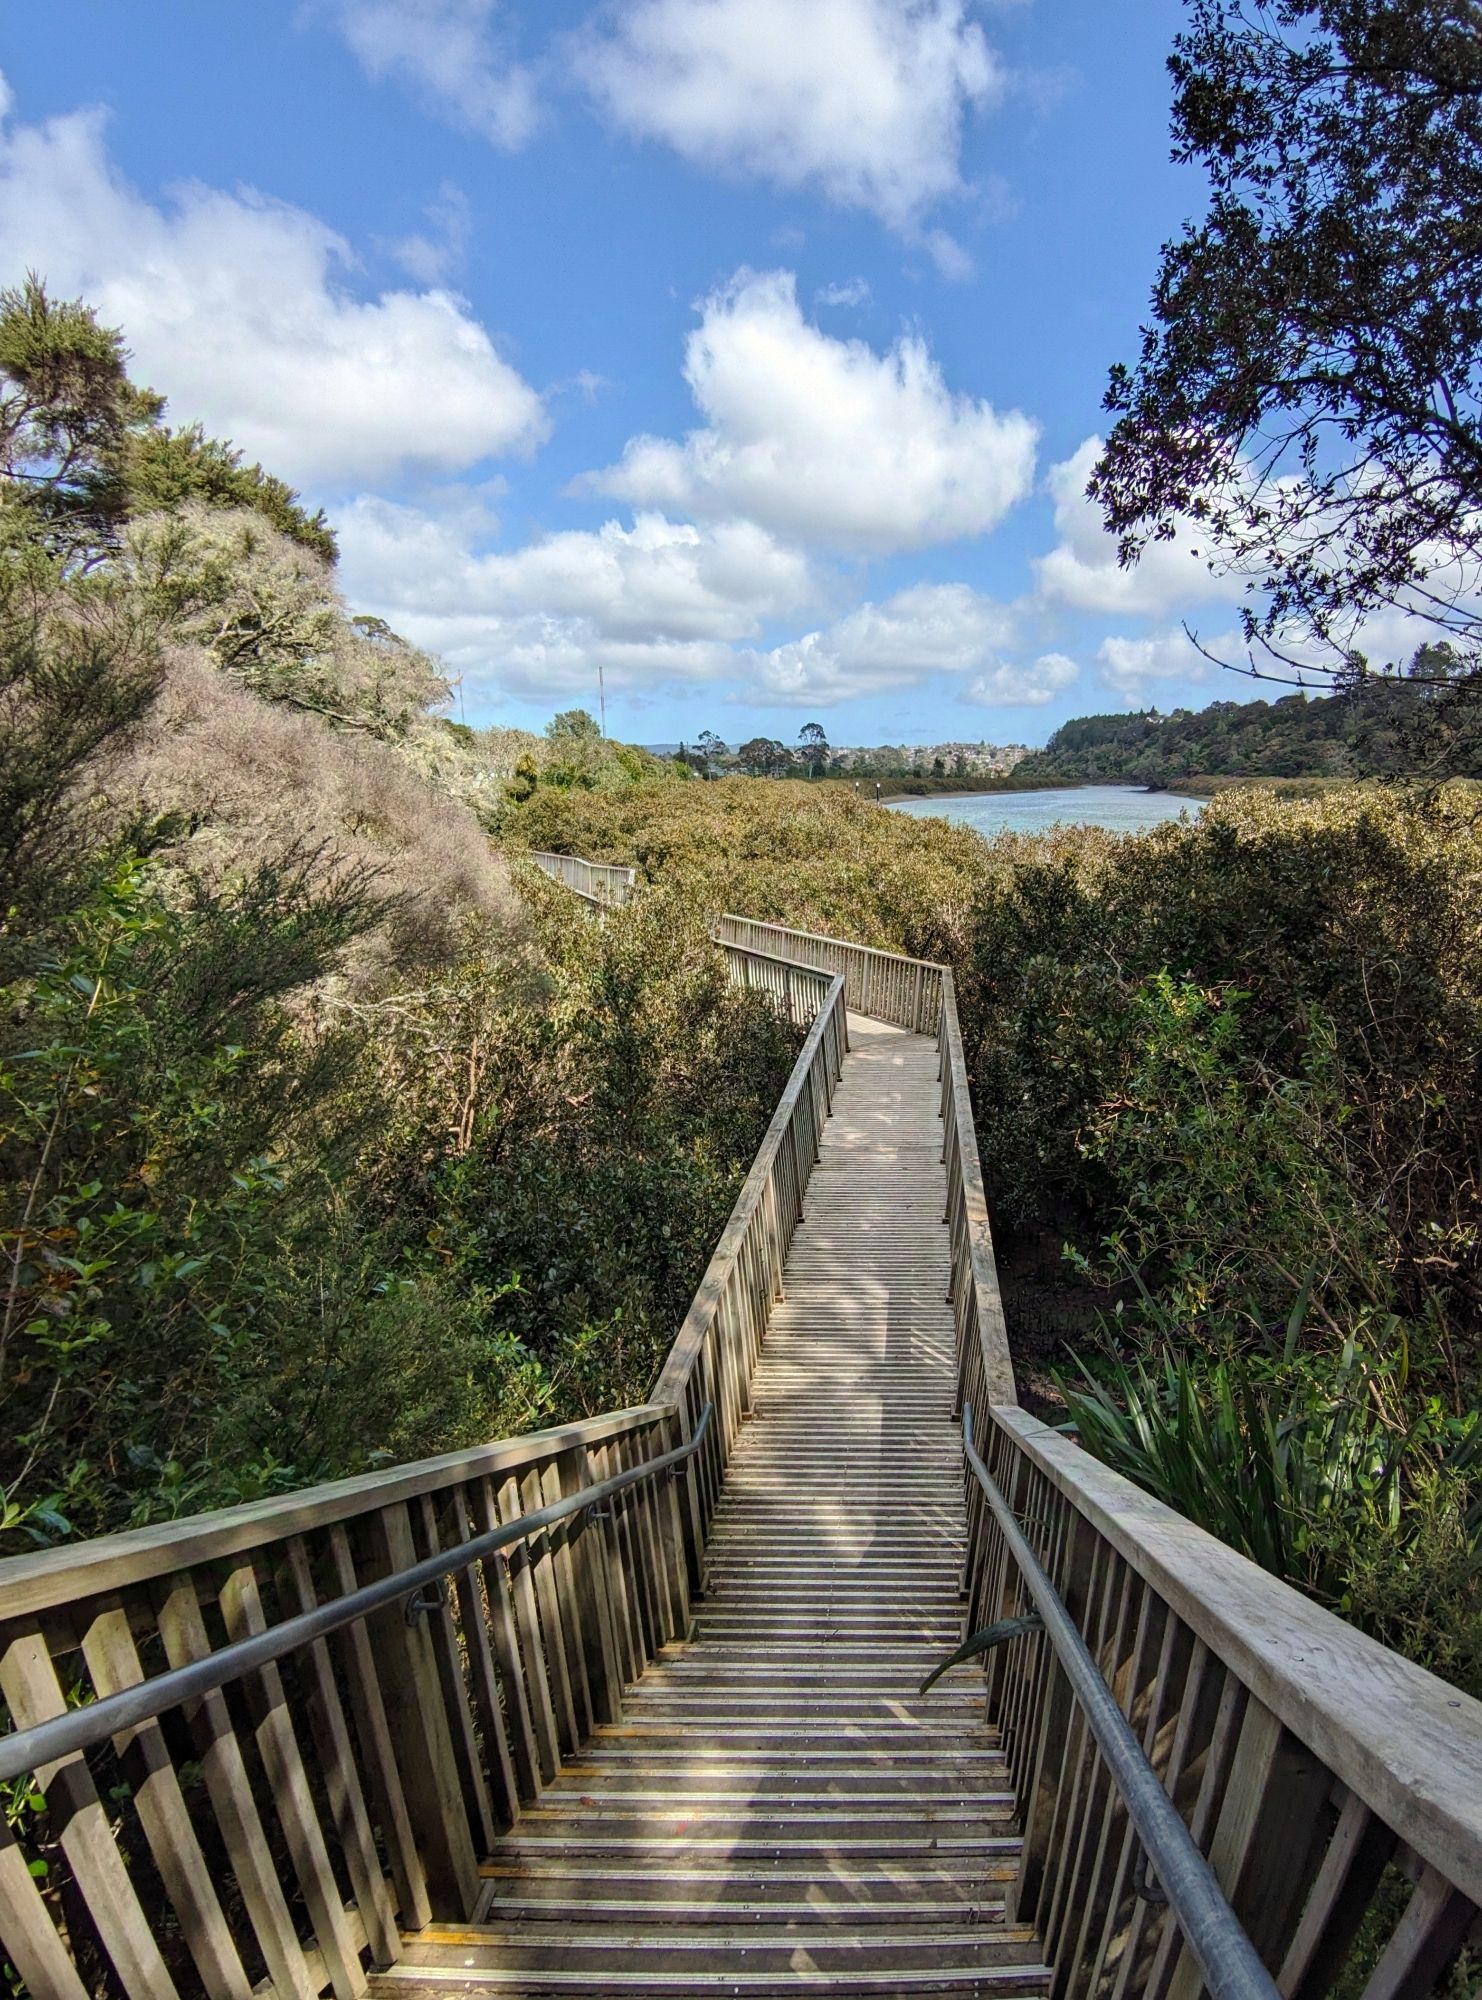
790, 852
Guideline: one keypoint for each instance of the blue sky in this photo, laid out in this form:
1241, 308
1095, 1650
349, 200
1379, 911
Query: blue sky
745, 351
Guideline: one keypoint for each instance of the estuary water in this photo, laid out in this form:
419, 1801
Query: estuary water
1118, 807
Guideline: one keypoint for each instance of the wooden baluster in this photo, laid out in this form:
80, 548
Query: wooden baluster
1119, 1926
378, 1757
1264, 1846
608, 1465
421, 1733
1060, 1723
592, 1606
1437, 1918
1088, 1788
27, 1932
34, 1694
650, 1544
183, 1631
644, 1598
288, 1785
442, 1631
1098, 1887
1214, 1772
557, 1613
113, 1663
1339, 1901
540, 1671
476, 1621
1196, 1718
505, 1639
341, 1771
687, 1491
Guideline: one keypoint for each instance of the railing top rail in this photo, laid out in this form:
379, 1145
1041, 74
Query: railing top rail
1406, 1742
672, 1377
80, 1728
621, 868
822, 937
75, 1570
998, 1366
774, 957
1231, 1965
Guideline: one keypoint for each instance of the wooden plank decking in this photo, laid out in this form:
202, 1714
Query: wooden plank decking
779, 1811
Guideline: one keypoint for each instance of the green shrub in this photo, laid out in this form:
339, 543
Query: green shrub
1323, 1468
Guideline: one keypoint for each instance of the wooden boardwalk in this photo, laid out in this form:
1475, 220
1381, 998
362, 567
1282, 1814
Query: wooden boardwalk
676, 1649
779, 1811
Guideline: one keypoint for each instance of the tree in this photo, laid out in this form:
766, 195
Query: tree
166, 467
813, 748
764, 757
82, 448
572, 726
67, 412
711, 749
1310, 389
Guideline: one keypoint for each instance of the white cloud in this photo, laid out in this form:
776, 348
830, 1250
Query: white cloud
862, 99
1083, 571
954, 263
659, 602
449, 52
930, 628
852, 292
1133, 666
1011, 685
431, 255
236, 307
823, 439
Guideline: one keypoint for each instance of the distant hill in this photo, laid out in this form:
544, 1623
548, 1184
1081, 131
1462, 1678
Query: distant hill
1369, 734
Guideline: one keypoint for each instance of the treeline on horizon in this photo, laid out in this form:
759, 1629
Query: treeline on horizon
1381, 727
1422, 724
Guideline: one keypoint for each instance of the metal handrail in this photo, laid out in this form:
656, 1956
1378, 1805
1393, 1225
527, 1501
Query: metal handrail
81, 1728
1230, 1964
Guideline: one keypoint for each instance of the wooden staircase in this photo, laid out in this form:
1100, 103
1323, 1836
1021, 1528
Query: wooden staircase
779, 1810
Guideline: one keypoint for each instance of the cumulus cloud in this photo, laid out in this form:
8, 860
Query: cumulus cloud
930, 628
238, 306
864, 100
1134, 666
450, 54
659, 602
1082, 571
1011, 684
823, 439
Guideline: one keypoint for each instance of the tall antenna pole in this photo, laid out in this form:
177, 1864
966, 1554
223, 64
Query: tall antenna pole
602, 698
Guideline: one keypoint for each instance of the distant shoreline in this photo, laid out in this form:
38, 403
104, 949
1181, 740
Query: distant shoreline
1055, 785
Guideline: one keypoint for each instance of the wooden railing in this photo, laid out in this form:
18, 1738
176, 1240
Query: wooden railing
797, 991
714, 1355
1335, 1787
601, 882
881, 984
279, 1832
1306, 1759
